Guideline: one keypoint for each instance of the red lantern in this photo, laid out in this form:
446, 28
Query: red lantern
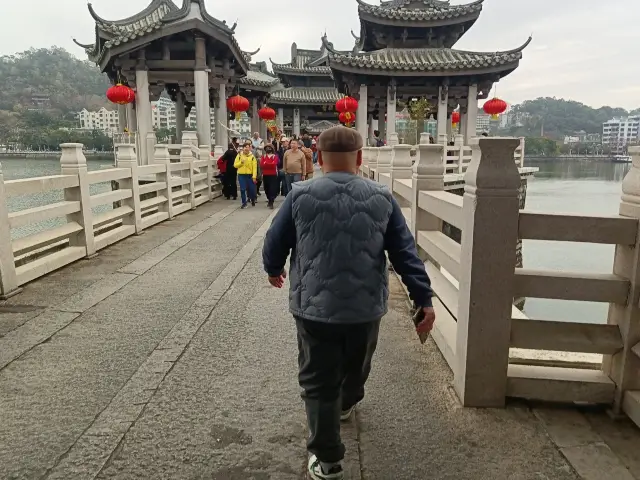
347, 104
237, 104
347, 118
495, 107
267, 113
455, 118
121, 94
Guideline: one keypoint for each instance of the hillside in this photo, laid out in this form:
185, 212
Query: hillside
51, 78
560, 117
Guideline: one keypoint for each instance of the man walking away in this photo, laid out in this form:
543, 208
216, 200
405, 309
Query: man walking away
337, 228
295, 165
282, 147
247, 174
269, 166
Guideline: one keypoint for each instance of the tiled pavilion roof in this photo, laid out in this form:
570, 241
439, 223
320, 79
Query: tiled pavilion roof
420, 10
305, 95
425, 60
158, 13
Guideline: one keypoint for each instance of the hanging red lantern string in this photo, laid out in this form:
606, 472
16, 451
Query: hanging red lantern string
237, 104
121, 94
347, 118
267, 113
347, 104
495, 107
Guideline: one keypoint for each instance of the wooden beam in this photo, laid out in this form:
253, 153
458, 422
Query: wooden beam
565, 336
560, 285
578, 228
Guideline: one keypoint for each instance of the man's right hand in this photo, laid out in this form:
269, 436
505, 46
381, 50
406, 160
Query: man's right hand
427, 324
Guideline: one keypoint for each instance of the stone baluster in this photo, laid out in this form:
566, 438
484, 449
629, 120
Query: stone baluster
186, 156
205, 154
189, 137
366, 153
428, 175
487, 264
624, 366
401, 163
393, 139
126, 158
73, 162
384, 160
8, 278
162, 156
218, 151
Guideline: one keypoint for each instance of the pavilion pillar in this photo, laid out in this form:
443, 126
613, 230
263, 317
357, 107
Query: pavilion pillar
472, 114
180, 116
361, 114
222, 135
382, 121
143, 113
132, 122
255, 120
280, 119
443, 107
262, 126
122, 118
463, 123
296, 122
391, 111
201, 81
370, 132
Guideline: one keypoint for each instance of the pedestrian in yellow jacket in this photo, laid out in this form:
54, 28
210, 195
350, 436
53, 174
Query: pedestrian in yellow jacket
247, 166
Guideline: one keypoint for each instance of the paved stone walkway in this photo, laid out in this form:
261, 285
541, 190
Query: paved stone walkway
168, 356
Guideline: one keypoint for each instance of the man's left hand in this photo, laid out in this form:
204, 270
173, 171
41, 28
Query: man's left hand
278, 281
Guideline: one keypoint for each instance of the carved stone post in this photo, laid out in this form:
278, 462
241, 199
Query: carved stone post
391, 111
366, 154
487, 265
126, 158
296, 122
373, 163
401, 170
624, 366
189, 137
428, 174
8, 279
161, 155
73, 162
384, 161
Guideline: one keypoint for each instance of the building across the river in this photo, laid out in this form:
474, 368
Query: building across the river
617, 133
163, 113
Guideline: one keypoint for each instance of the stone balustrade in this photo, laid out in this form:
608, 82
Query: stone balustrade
494, 350
88, 222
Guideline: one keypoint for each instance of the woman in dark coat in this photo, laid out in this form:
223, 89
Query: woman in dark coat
230, 185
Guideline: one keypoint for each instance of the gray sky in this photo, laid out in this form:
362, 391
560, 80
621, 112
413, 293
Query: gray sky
585, 50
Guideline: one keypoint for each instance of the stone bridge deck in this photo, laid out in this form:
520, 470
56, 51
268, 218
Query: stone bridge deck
168, 356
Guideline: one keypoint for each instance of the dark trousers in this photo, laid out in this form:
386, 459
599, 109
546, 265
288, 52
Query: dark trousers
230, 186
334, 363
271, 186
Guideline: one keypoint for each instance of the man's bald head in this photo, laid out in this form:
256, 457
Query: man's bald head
340, 149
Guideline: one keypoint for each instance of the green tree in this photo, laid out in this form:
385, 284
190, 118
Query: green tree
540, 146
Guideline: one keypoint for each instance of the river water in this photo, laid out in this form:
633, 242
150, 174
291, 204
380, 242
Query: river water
560, 187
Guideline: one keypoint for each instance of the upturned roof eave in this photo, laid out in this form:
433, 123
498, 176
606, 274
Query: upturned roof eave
149, 9
387, 13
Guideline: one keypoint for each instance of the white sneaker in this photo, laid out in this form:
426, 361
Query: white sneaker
345, 415
316, 472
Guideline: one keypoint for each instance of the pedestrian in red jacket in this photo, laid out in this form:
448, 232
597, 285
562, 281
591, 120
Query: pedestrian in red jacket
222, 165
269, 167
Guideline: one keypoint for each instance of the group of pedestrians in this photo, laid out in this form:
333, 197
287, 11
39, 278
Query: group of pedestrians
276, 165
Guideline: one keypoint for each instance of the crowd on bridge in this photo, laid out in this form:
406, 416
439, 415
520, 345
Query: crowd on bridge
274, 165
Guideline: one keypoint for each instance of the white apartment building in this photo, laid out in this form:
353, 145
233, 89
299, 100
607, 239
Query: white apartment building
103, 120
163, 114
620, 132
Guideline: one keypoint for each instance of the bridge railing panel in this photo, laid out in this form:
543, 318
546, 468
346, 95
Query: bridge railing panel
478, 329
77, 220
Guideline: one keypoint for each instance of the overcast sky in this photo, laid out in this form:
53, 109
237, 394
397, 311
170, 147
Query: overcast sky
585, 50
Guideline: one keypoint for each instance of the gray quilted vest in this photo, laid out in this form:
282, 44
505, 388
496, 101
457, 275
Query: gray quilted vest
338, 268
